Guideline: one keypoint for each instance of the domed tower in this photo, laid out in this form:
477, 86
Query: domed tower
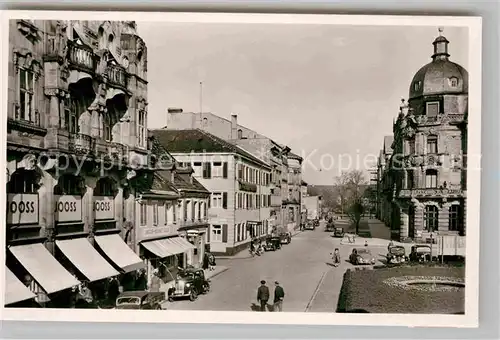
430, 136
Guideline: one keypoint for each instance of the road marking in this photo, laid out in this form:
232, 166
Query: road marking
316, 290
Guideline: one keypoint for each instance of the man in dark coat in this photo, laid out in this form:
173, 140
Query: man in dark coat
279, 295
263, 295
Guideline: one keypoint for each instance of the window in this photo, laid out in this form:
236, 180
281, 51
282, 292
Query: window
197, 169
455, 218
168, 208
432, 109
26, 94
431, 218
111, 38
194, 208
240, 134
143, 217
107, 127
240, 171
141, 128
224, 200
217, 200
257, 201
70, 116
431, 178
155, 213
453, 82
216, 233
224, 170
410, 184
174, 213
432, 144
207, 170
185, 204
23, 182
217, 169
416, 86
200, 208
411, 147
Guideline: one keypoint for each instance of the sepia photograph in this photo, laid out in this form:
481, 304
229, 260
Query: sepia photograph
275, 169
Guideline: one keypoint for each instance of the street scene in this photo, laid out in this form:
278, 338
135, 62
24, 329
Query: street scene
175, 166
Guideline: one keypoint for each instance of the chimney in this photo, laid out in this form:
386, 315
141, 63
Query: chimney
174, 110
234, 126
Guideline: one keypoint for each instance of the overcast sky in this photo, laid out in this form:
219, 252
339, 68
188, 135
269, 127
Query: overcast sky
329, 92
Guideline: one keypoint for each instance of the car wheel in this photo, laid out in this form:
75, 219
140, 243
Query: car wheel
193, 295
170, 299
206, 288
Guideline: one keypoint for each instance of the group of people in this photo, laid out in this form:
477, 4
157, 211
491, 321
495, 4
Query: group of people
209, 262
256, 247
263, 296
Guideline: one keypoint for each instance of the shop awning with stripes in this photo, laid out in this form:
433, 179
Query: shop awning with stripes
118, 252
43, 267
168, 246
86, 258
15, 290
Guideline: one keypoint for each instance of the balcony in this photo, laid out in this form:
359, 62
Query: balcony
440, 119
431, 193
117, 76
113, 150
191, 223
81, 57
80, 143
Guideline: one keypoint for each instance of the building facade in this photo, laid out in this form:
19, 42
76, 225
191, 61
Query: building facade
239, 183
292, 202
76, 107
426, 177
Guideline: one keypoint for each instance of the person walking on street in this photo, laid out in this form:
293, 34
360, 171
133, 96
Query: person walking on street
279, 295
263, 295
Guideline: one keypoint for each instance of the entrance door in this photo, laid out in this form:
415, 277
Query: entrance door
411, 221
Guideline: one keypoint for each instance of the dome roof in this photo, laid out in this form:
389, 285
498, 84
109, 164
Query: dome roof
440, 75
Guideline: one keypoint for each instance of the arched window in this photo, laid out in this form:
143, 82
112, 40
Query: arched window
431, 218
138, 63
205, 121
23, 182
69, 184
105, 187
111, 39
100, 37
431, 178
240, 134
107, 127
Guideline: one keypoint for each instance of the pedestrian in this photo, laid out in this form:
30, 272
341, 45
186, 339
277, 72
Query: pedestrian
155, 281
205, 262
263, 295
336, 257
279, 295
391, 244
211, 262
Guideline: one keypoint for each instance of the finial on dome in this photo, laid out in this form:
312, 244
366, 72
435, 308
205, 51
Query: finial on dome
440, 47
440, 30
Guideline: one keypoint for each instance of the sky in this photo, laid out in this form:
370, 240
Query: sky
330, 92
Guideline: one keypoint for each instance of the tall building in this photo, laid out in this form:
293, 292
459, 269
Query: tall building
239, 182
426, 177
76, 119
283, 210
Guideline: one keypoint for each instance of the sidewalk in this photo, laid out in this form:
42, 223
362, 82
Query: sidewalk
208, 275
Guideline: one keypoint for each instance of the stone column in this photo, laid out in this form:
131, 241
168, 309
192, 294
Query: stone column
46, 204
201, 247
94, 122
443, 217
403, 222
118, 202
88, 212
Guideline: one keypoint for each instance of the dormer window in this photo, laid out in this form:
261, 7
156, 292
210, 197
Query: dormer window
432, 109
240, 134
453, 82
416, 85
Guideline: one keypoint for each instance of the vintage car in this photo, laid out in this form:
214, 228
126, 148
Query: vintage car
286, 238
330, 225
338, 232
189, 283
140, 300
421, 253
396, 255
361, 256
310, 225
272, 243
316, 223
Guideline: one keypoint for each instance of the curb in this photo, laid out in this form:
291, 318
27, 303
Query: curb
222, 271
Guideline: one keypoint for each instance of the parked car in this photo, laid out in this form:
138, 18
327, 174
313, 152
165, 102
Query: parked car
140, 300
338, 232
286, 238
310, 225
421, 253
272, 243
361, 257
396, 255
189, 283
316, 223
330, 225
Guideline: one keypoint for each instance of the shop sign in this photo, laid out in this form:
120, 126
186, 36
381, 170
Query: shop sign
104, 207
68, 208
22, 208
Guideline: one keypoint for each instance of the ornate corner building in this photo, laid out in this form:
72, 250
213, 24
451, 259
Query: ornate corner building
76, 146
422, 167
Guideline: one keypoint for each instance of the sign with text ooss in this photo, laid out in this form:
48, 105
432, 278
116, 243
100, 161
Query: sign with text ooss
104, 207
68, 208
22, 208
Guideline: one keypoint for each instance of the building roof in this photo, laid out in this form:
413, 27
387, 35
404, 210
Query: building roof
199, 141
436, 76
291, 155
303, 183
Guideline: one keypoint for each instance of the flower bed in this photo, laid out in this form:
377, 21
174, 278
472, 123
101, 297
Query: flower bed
412, 289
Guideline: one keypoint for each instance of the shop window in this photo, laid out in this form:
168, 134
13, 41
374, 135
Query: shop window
143, 214
431, 178
432, 143
431, 218
104, 187
26, 96
432, 109
69, 185
216, 233
23, 182
455, 218
217, 200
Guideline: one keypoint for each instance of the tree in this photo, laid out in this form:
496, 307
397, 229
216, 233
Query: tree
351, 185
